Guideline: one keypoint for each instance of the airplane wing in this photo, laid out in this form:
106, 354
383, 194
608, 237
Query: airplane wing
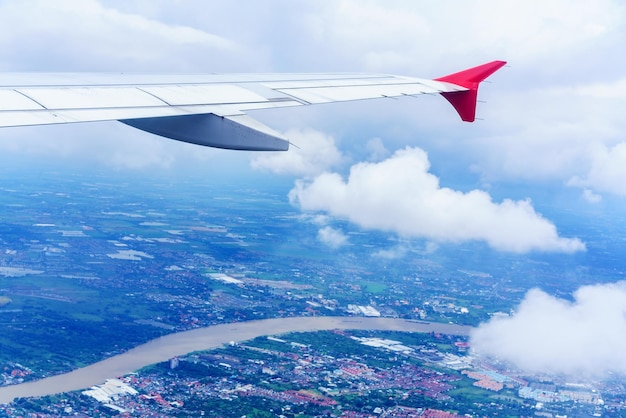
210, 109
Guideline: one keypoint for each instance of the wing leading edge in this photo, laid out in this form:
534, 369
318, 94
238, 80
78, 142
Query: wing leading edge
210, 109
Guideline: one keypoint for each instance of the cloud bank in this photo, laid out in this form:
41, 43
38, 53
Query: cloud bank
548, 334
400, 195
556, 114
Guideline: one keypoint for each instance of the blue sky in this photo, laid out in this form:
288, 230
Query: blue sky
553, 120
553, 117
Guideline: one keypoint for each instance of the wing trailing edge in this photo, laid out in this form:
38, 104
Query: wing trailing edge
464, 102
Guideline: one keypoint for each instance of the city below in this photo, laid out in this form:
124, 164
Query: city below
108, 278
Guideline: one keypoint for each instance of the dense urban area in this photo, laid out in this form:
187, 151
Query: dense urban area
90, 269
387, 374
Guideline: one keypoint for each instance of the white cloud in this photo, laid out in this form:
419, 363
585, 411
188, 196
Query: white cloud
548, 334
313, 154
391, 253
332, 237
319, 219
591, 197
377, 150
401, 196
607, 172
84, 34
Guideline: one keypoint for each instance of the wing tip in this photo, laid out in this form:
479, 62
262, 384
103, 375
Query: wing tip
464, 102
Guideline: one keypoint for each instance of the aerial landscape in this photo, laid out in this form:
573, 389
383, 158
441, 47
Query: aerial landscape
395, 262
99, 265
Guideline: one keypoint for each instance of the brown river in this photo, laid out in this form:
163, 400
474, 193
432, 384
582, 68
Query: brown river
178, 344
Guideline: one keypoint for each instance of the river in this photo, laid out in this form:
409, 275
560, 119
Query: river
181, 343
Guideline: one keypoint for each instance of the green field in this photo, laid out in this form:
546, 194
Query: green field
374, 287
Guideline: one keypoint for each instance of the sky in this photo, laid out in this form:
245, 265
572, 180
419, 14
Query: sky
551, 120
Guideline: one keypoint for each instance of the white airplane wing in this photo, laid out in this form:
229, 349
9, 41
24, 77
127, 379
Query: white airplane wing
210, 109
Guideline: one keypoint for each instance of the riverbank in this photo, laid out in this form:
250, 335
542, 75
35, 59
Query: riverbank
181, 343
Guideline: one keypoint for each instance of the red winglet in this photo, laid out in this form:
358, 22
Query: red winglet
465, 101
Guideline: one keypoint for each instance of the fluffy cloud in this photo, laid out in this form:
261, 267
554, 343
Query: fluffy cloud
401, 196
332, 237
586, 336
313, 154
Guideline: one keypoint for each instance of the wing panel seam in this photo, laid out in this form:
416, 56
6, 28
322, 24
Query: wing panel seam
154, 95
164, 106
281, 89
189, 83
31, 99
